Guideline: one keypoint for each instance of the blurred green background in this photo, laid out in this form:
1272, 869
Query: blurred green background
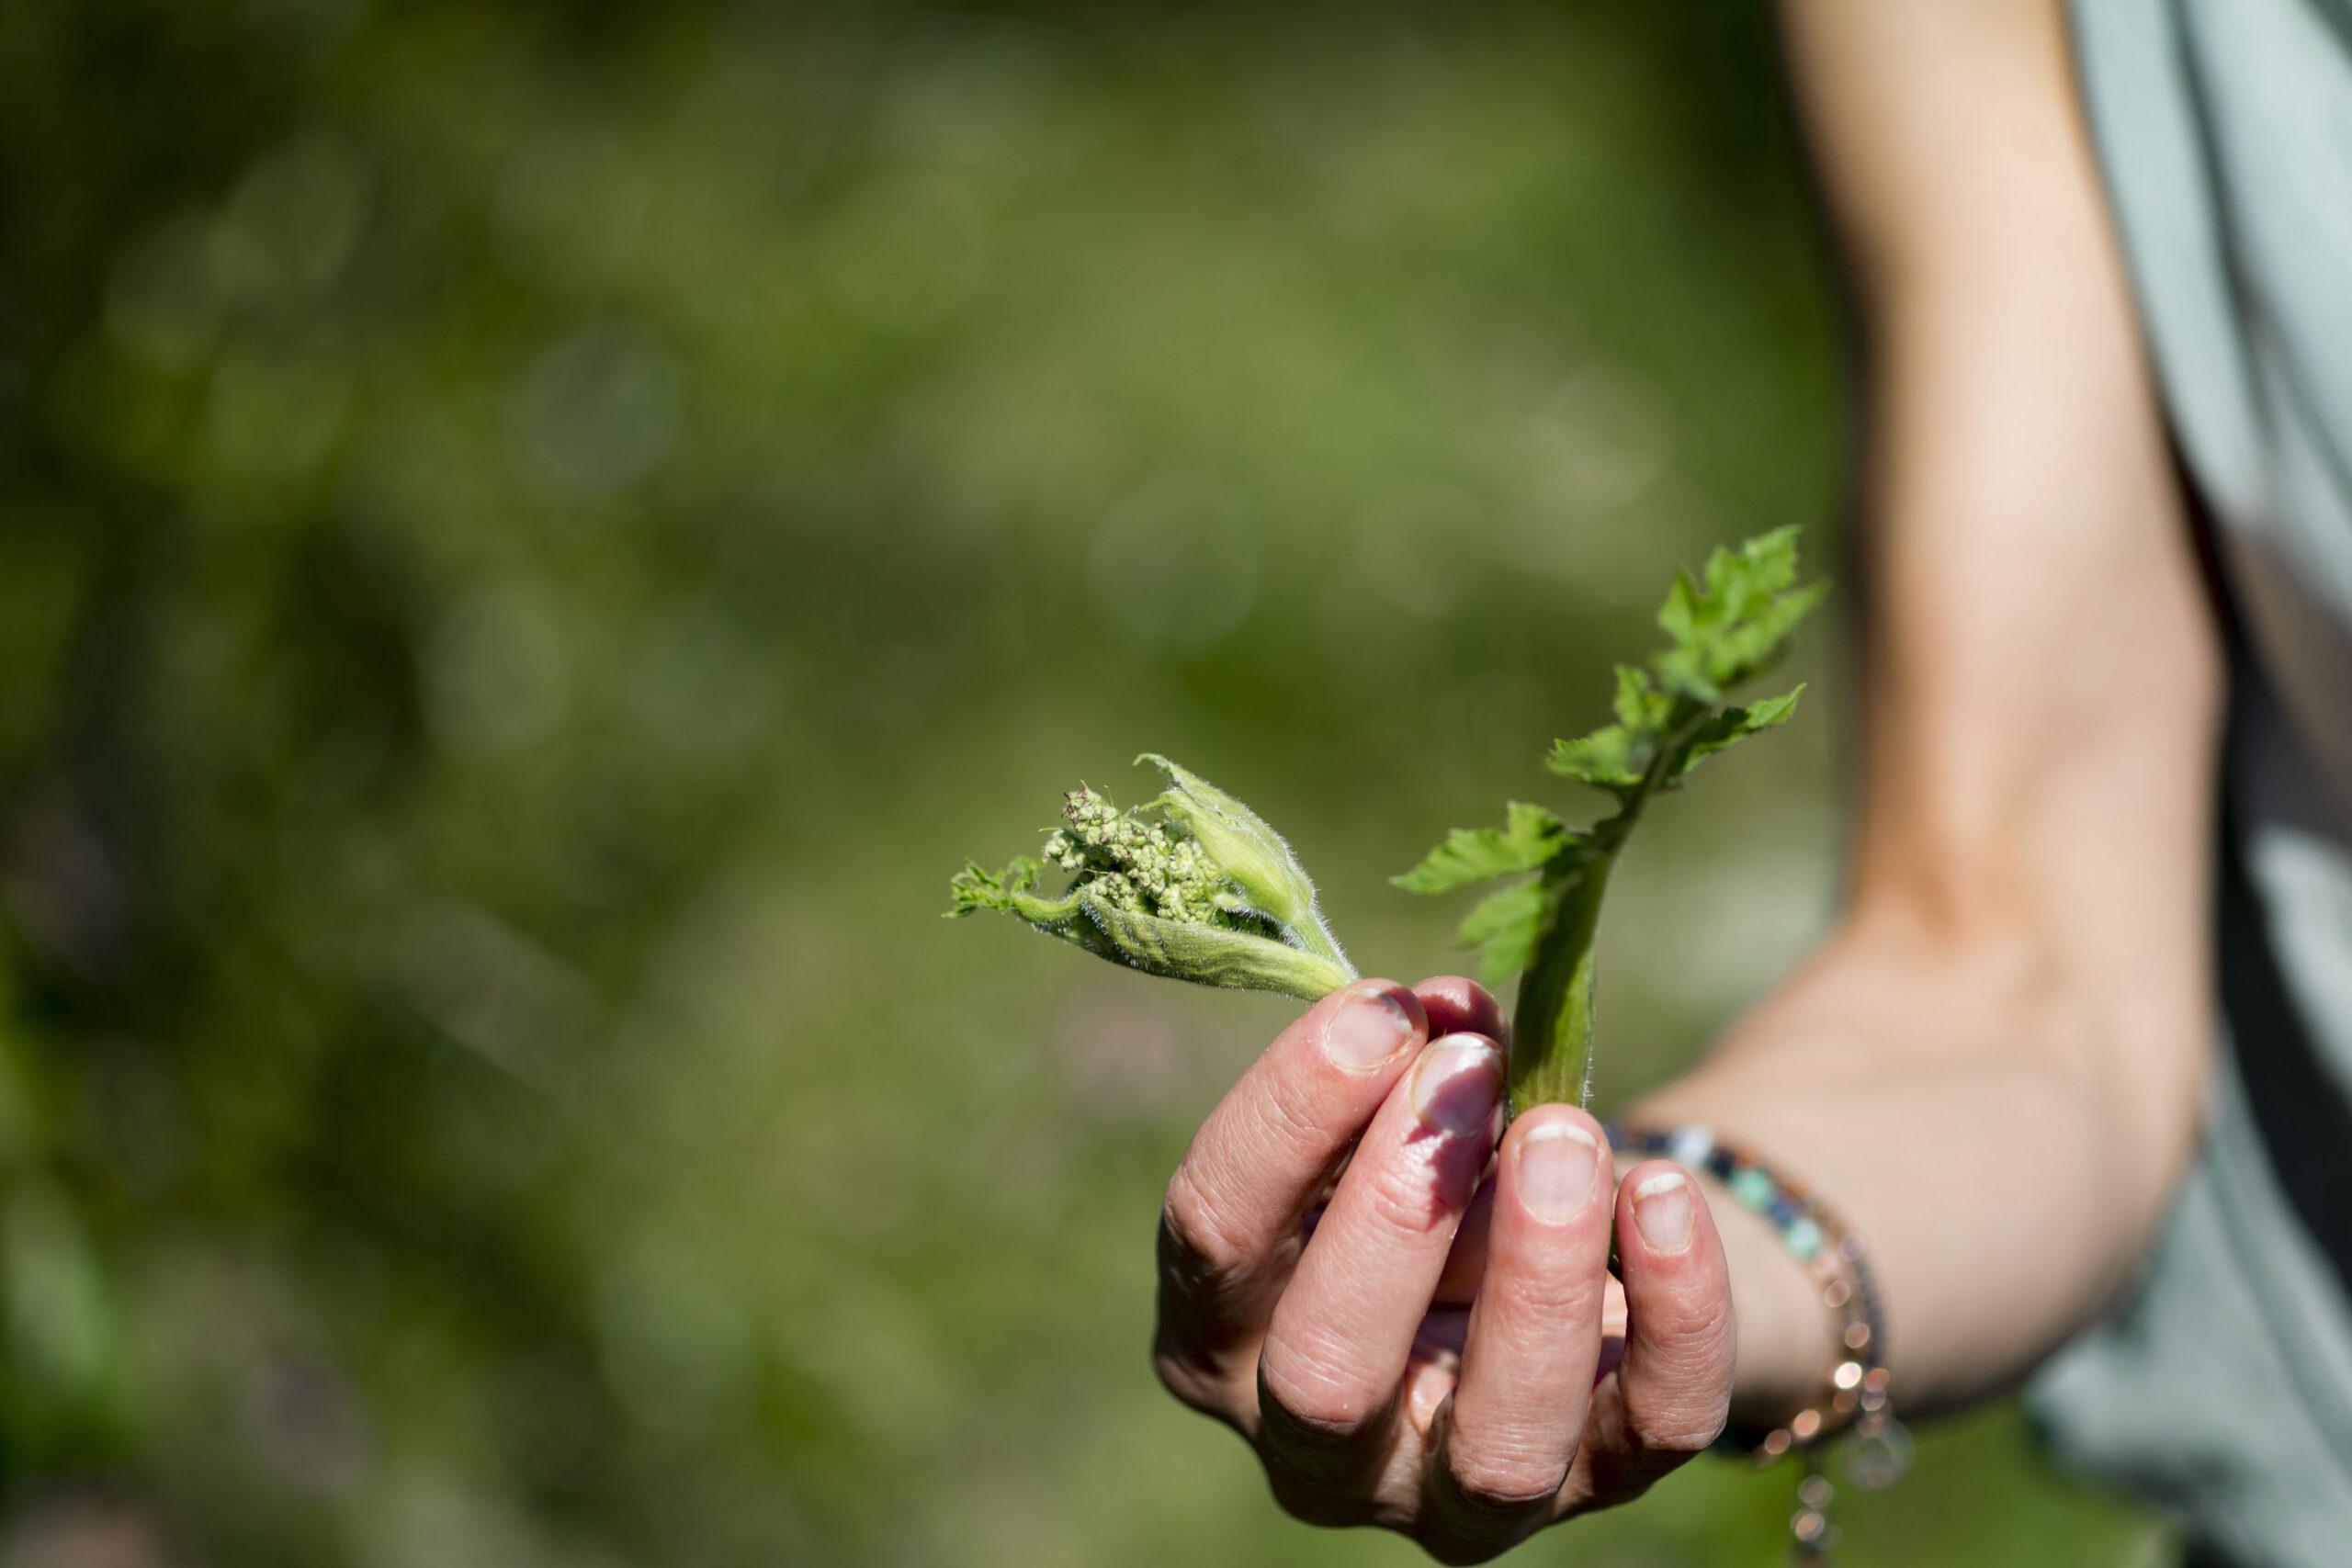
533, 538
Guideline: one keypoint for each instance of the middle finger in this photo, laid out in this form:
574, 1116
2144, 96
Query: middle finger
1535, 1331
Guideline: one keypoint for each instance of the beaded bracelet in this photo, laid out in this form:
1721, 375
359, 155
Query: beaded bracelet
1877, 1449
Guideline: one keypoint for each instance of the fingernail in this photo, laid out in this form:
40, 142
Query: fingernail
1662, 1207
1372, 1027
1459, 1081
1558, 1164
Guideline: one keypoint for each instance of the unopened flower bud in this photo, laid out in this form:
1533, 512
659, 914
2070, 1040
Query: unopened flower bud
1202, 891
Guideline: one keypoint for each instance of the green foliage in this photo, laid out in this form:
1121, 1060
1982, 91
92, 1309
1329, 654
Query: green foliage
1192, 885
1506, 924
1530, 837
1732, 623
1735, 622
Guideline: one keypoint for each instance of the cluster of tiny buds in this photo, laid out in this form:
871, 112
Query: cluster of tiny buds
1138, 866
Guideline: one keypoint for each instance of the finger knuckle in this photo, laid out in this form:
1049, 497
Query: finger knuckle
1318, 1406
1502, 1484
1682, 1406
1294, 1118
1193, 1378
1397, 1198
1680, 1428
1197, 1249
1550, 1287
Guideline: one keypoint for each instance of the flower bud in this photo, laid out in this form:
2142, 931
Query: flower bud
1207, 893
1252, 856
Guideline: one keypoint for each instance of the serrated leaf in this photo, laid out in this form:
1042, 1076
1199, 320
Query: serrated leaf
1679, 616
1728, 728
1611, 758
1748, 647
1740, 580
1639, 704
1528, 837
975, 888
1505, 927
1728, 622
1734, 622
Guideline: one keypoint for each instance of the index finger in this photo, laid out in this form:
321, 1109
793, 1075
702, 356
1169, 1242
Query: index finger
1236, 1207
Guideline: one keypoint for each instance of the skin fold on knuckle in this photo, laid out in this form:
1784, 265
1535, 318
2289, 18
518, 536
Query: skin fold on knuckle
1410, 1191
1303, 1114
1484, 1493
1312, 1402
1501, 1485
1677, 1377
1198, 1257
1540, 1291
1196, 1380
1622, 1460
1679, 1421
1695, 1349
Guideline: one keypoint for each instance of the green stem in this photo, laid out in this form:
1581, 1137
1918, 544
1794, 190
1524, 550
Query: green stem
1551, 1051
1552, 1027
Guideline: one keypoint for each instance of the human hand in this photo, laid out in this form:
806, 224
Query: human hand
1417, 1329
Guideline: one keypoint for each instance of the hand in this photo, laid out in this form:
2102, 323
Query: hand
1415, 1329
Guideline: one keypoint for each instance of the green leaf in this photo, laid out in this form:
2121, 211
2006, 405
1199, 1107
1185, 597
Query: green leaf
1639, 706
1530, 837
1727, 728
1505, 927
1744, 578
974, 890
1734, 622
1611, 758
1728, 622
1679, 617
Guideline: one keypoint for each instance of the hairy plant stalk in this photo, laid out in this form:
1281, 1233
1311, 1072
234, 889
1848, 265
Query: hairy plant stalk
1553, 1021
1552, 1027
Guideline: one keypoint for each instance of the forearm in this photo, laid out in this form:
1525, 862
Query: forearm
1993, 1069
1963, 1105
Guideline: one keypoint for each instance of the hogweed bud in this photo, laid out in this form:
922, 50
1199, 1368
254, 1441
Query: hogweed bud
1193, 885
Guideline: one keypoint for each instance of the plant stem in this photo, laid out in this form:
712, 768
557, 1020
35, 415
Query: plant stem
1552, 1026
1551, 1053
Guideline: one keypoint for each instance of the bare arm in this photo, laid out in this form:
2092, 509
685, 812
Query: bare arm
1992, 1067
1994, 1064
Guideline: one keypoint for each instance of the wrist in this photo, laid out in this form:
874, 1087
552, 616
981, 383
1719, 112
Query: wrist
1785, 1349
1787, 1337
